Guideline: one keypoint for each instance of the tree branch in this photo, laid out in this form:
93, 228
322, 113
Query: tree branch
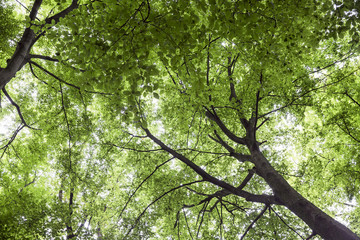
27, 184
136, 150
18, 60
139, 186
5, 147
352, 99
67, 123
207, 177
25, 8
66, 83
253, 222
187, 225
238, 156
285, 222
213, 116
17, 108
74, 4
54, 76
157, 199
257, 107
43, 57
347, 131
202, 212
222, 193
313, 234
262, 123
69, 229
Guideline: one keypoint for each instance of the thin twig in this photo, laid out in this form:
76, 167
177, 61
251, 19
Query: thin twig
187, 225
285, 222
67, 122
139, 186
157, 199
254, 221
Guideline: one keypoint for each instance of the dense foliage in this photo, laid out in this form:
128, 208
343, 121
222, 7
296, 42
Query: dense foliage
179, 119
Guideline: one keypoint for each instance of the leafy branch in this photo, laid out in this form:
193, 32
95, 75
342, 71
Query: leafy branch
209, 178
157, 199
139, 186
17, 108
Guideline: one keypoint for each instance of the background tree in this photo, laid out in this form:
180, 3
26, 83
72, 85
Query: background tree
191, 119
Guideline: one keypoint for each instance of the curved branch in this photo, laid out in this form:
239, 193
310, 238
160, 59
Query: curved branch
207, 177
56, 18
238, 156
213, 116
74, 4
16, 106
152, 173
153, 202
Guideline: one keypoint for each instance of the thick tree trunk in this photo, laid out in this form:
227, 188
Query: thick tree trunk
321, 223
315, 218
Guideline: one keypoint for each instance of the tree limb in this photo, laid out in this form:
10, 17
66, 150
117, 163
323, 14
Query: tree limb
152, 173
352, 99
18, 60
213, 116
222, 193
313, 234
253, 222
74, 4
54, 76
17, 108
43, 57
187, 225
157, 199
257, 107
11, 139
285, 222
27, 184
207, 177
238, 156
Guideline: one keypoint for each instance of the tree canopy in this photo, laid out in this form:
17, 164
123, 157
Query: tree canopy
198, 119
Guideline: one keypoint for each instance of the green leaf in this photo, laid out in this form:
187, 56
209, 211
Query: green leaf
156, 95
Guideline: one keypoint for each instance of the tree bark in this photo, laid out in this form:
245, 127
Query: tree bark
21, 55
321, 223
18, 60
